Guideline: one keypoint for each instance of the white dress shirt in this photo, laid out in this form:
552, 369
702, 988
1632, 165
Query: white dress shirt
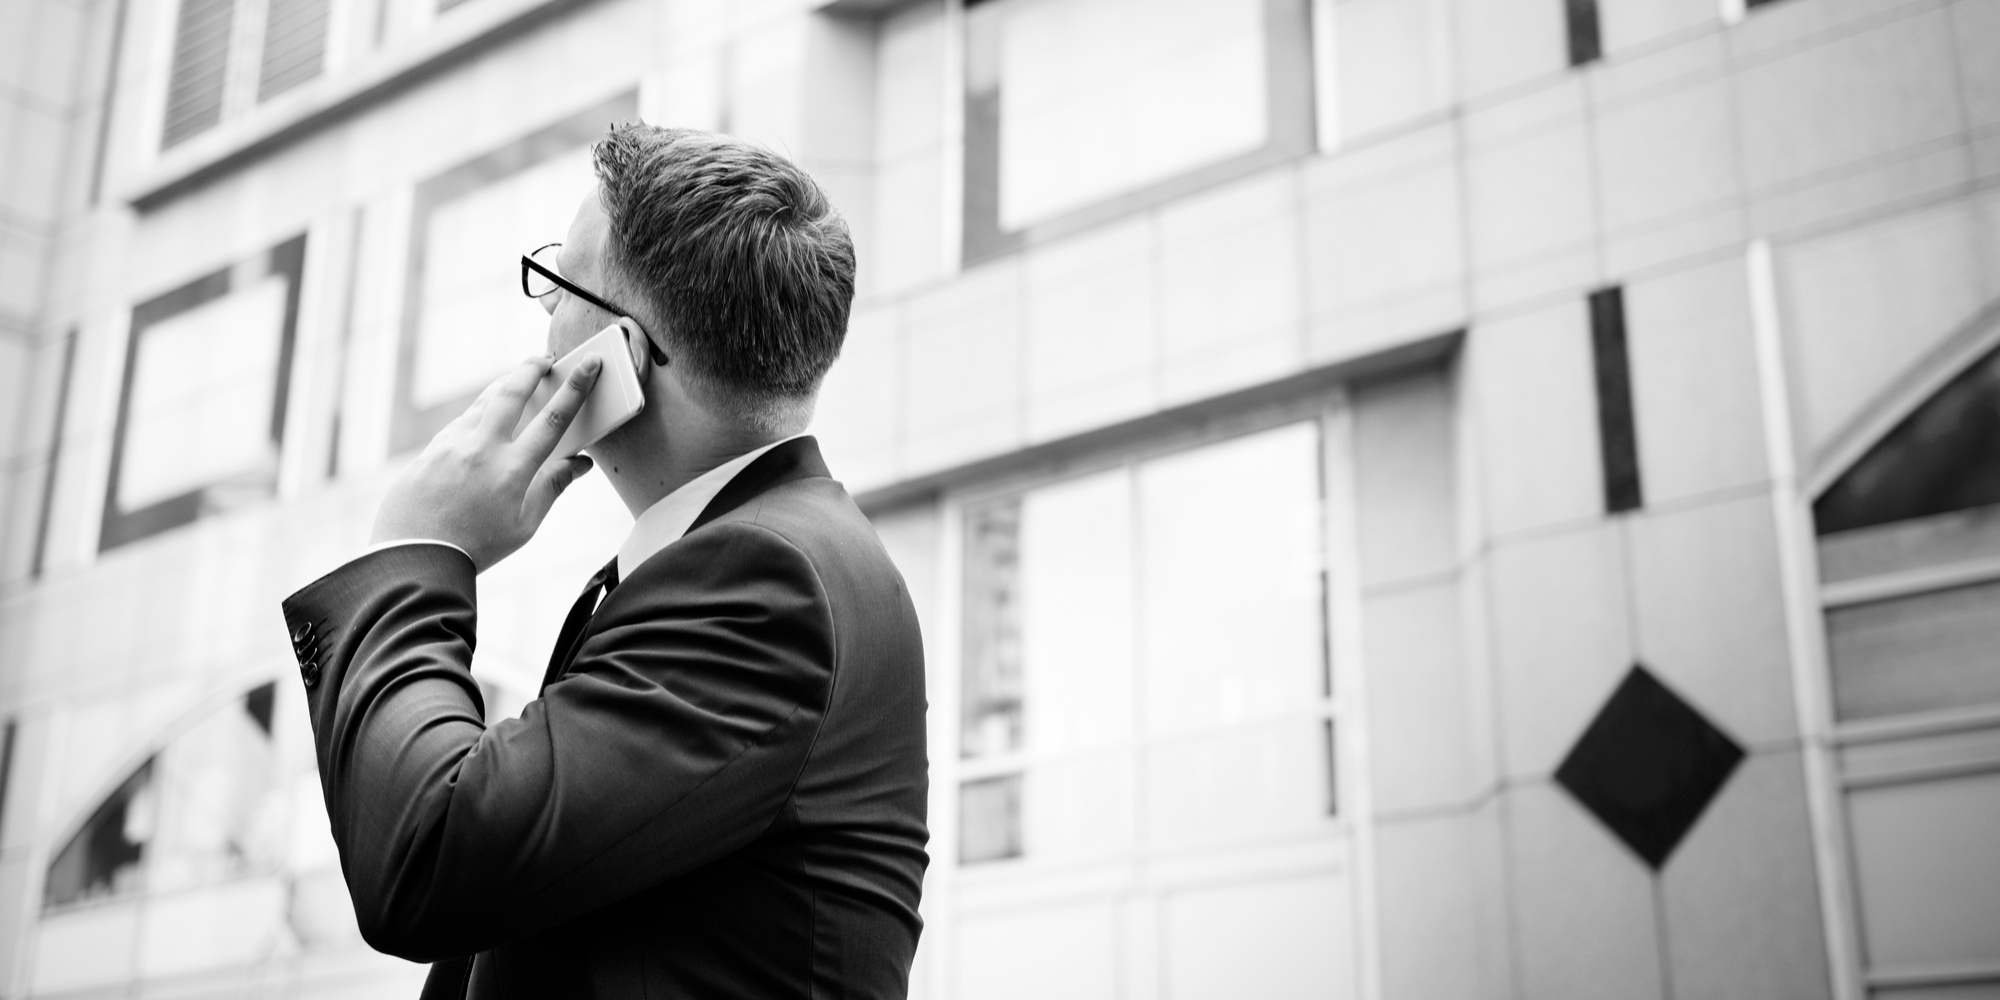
669, 518
658, 526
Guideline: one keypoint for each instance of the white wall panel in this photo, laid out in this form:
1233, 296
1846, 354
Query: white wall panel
1583, 909
94, 946
1861, 305
1074, 952
1278, 940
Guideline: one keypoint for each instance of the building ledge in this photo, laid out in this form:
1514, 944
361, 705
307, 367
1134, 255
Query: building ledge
1215, 411
481, 28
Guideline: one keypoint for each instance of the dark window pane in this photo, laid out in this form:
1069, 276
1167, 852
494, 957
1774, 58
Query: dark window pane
51, 477
1960, 536
6, 766
989, 819
1586, 43
1943, 457
1648, 765
103, 858
991, 705
1617, 433
258, 703
1332, 772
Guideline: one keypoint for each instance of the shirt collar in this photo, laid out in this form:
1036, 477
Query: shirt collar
669, 518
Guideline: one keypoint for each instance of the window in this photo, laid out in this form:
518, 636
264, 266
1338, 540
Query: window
464, 319
1586, 40
102, 859
200, 810
1910, 551
230, 55
1080, 109
213, 854
1145, 656
1617, 431
202, 412
1909, 559
1144, 776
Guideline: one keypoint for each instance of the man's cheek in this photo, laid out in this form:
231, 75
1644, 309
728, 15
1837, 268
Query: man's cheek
563, 335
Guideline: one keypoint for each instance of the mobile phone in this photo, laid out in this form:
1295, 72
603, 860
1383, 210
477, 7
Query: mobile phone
615, 398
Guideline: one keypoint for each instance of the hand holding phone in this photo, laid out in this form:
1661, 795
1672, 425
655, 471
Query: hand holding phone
487, 480
615, 399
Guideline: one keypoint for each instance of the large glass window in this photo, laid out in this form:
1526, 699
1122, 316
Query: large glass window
464, 320
1076, 109
212, 853
202, 413
1145, 656
202, 809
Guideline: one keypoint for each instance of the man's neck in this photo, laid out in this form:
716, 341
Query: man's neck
647, 465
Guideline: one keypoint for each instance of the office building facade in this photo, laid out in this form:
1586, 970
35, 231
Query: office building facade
1406, 498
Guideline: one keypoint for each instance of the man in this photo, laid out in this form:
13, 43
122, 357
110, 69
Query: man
720, 791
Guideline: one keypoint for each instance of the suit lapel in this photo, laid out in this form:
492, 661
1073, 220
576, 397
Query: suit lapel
793, 460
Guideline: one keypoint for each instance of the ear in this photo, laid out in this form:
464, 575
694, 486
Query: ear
635, 345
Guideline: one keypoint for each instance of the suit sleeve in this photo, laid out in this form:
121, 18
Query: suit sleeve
675, 738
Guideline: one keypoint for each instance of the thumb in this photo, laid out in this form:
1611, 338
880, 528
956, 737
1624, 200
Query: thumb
550, 483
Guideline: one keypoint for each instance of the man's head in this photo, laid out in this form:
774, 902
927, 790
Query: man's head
730, 257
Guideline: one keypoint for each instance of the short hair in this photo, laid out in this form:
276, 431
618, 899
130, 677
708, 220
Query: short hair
741, 255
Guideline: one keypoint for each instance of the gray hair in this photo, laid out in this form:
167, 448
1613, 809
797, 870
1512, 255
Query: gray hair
740, 254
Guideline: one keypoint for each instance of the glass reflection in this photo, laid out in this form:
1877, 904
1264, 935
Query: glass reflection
102, 859
204, 808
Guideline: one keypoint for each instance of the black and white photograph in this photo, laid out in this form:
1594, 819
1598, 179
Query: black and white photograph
1000, 499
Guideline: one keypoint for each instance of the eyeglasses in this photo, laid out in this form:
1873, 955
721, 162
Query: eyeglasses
539, 280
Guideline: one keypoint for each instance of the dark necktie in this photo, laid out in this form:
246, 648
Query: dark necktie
579, 616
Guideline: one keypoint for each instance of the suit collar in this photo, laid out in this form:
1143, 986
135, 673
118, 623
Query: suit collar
789, 460
715, 493
754, 472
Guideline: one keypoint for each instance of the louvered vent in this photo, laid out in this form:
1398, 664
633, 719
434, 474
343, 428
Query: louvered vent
201, 64
294, 45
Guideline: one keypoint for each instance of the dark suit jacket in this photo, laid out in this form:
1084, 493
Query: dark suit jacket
722, 795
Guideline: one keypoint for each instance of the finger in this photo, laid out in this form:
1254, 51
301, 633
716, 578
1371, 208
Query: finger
542, 433
506, 397
550, 483
469, 418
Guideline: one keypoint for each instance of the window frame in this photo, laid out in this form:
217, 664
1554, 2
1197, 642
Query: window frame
118, 527
1292, 75
1866, 755
123, 768
241, 101
1140, 885
411, 425
1330, 410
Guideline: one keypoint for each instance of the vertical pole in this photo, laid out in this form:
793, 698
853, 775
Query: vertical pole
1350, 684
1804, 632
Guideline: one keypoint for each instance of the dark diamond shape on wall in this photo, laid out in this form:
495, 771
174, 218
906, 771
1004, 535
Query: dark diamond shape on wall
1648, 765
